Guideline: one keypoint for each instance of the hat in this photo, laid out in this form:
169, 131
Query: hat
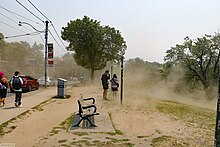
2, 74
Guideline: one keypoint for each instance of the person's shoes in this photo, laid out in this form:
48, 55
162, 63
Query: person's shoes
16, 105
3, 103
20, 105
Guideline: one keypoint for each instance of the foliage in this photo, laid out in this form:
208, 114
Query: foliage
94, 45
21, 56
143, 70
199, 58
29, 60
73, 70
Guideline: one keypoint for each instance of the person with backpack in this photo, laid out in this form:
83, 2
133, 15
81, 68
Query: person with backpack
114, 85
4, 88
16, 83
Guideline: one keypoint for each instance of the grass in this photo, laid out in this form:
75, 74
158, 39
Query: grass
39, 107
117, 132
191, 115
62, 126
115, 140
98, 143
80, 133
5, 128
201, 120
168, 141
62, 141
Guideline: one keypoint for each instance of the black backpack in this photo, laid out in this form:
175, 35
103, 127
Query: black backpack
16, 83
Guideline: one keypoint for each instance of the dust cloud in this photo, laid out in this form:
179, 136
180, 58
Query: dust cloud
142, 87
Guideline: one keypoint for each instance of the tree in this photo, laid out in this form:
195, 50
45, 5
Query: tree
94, 45
21, 56
200, 58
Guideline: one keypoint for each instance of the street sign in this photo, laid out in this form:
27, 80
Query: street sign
50, 50
50, 63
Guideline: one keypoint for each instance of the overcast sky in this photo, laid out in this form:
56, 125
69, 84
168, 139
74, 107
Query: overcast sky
149, 27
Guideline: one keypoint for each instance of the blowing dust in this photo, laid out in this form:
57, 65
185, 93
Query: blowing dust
141, 88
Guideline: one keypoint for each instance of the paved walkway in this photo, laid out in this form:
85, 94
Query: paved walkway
29, 100
34, 98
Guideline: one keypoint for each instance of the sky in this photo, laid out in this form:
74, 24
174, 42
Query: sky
149, 27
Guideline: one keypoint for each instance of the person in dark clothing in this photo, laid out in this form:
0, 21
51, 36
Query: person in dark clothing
105, 83
4, 88
16, 83
114, 85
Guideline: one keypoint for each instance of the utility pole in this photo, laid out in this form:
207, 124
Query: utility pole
45, 64
46, 38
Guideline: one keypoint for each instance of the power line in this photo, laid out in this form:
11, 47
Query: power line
41, 37
56, 41
34, 33
13, 20
12, 26
58, 35
8, 18
20, 30
29, 10
16, 14
38, 10
48, 20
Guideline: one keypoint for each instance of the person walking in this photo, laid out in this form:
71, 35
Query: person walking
16, 83
4, 88
105, 83
114, 85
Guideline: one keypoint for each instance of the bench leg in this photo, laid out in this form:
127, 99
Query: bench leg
77, 125
91, 124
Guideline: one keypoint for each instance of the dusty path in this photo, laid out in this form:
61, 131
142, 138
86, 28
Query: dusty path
137, 123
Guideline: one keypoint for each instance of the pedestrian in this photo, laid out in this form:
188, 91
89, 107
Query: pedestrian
105, 83
16, 83
4, 88
114, 85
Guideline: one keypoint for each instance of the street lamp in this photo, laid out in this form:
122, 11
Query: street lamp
20, 24
46, 37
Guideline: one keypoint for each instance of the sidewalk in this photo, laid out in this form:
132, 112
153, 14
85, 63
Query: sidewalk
29, 100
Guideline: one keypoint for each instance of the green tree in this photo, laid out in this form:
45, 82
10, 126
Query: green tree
200, 60
94, 45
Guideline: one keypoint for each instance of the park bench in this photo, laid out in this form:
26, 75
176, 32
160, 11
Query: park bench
85, 113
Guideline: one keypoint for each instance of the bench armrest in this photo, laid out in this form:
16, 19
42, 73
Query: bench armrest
91, 98
90, 106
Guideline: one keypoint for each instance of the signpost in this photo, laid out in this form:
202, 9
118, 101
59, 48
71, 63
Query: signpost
122, 58
50, 63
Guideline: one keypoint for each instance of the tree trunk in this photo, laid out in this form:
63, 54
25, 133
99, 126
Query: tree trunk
92, 74
209, 93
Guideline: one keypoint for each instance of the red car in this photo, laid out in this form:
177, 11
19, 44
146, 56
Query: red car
29, 83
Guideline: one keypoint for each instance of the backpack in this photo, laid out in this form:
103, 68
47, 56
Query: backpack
1, 86
16, 83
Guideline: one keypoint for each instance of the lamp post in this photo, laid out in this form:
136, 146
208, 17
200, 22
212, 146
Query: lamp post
46, 39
